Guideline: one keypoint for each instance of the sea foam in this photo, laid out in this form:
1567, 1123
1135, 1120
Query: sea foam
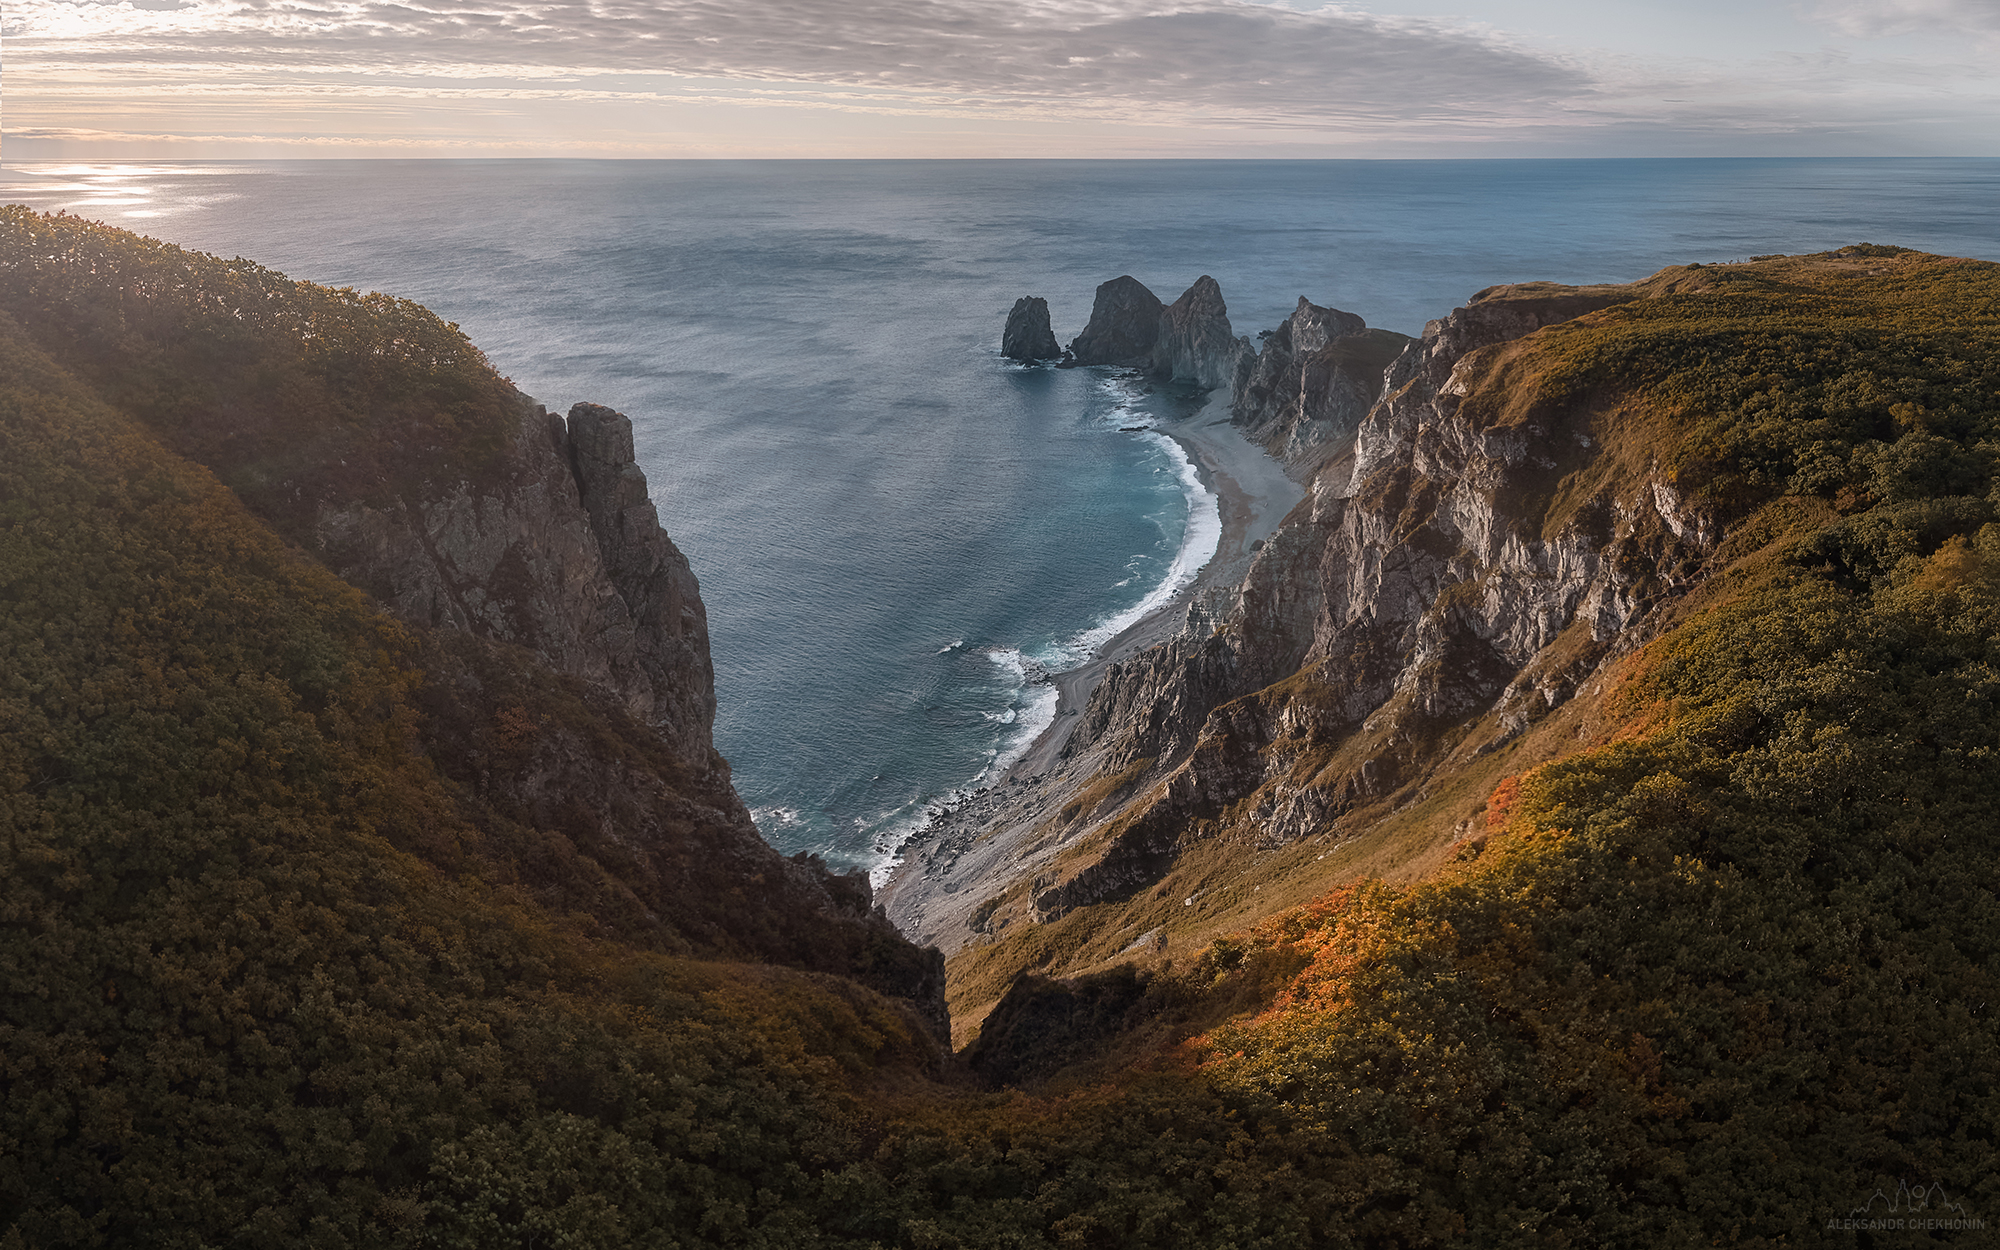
1199, 540
1032, 710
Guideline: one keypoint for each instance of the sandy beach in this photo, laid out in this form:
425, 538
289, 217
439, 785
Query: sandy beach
966, 854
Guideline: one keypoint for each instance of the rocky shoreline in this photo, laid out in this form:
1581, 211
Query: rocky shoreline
974, 846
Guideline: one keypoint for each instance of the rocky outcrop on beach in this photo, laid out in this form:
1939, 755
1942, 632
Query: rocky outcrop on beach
1315, 379
1428, 602
1028, 336
1195, 343
1124, 325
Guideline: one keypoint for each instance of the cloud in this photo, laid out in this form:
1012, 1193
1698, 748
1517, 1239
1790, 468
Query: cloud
1220, 59
1877, 19
1232, 72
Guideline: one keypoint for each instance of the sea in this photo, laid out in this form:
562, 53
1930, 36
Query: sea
898, 533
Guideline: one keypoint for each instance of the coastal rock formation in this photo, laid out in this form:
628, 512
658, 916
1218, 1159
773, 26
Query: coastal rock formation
1124, 326
1426, 586
652, 577
552, 643
1317, 376
1195, 343
557, 549
1189, 341
1028, 337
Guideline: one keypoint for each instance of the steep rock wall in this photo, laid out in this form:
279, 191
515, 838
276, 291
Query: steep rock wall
557, 549
672, 686
1433, 580
1318, 374
556, 558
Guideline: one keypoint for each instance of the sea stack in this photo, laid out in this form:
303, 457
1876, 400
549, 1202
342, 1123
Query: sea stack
1195, 343
1124, 326
1028, 337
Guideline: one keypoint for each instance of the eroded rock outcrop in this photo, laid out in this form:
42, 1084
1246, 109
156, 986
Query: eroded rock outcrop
676, 690
1188, 341
1429, 584
1028, 336
1318, 374
1195, 343
1124, 325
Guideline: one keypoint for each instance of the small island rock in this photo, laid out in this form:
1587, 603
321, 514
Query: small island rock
1124, 325
1028, 337
1195, 342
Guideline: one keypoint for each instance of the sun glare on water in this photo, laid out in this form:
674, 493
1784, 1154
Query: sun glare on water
110, 192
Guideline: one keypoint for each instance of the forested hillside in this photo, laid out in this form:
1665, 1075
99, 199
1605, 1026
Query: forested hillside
282, 962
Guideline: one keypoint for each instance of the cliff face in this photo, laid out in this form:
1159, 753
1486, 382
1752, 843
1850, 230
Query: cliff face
673, 688
1315, 379
1428, 601
557, 549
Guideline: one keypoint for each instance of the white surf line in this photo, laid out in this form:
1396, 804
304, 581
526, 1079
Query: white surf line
1200, 539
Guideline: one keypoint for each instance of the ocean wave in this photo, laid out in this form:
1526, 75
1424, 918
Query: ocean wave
1199, 540
1033, 706
1032, 711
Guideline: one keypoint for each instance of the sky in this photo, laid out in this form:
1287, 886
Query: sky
222, 79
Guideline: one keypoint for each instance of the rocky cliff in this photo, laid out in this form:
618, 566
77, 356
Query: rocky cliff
1317, 376
566, 682
557, 549
1434, 595
1028, 336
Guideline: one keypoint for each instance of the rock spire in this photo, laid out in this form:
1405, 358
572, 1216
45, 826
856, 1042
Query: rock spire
1028, 337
